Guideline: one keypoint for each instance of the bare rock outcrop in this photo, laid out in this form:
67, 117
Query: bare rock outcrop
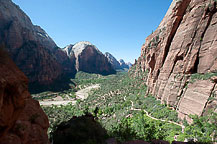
184, 44
121, 64
89, 59
22, 121
30, 47
195, 98
113, 60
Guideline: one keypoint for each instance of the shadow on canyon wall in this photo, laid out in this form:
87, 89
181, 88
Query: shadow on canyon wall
60, 84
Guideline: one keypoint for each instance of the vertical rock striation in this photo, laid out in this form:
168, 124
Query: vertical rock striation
123, 64
184, 44
30, 47
113, 61
89, 59
117, 64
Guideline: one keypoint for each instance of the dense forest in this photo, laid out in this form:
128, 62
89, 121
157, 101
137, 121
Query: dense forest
123, 109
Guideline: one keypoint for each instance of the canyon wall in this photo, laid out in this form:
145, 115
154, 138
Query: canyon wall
37, 55
180, 58
30, 47
115, 64
22, 121
89, 59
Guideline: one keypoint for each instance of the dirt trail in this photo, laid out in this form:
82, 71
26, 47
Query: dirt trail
147, 114
81, 94
172, 122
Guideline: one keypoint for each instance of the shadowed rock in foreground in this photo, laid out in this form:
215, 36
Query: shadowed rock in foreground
22, 121
86, 130
82, 129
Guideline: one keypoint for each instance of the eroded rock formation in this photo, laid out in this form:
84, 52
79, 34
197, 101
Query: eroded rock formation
30, 47
113, 60
22, 121
89, 59
117, 64
184, 44
124, 64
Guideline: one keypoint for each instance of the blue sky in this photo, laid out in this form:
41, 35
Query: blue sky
116, 26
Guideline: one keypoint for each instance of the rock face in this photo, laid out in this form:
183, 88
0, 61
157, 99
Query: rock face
183, 45
22, 121
113, 60
88, 58
123, 64
30, 47
117, 64
129, 64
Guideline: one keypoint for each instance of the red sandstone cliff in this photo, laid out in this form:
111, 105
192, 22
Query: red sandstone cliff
22, 121
184, 44
30, 47
89, 59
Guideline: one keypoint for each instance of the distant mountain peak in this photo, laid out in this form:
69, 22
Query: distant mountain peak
117, 64
31, 48
78, 47
83, 42
121, 61
89, 58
